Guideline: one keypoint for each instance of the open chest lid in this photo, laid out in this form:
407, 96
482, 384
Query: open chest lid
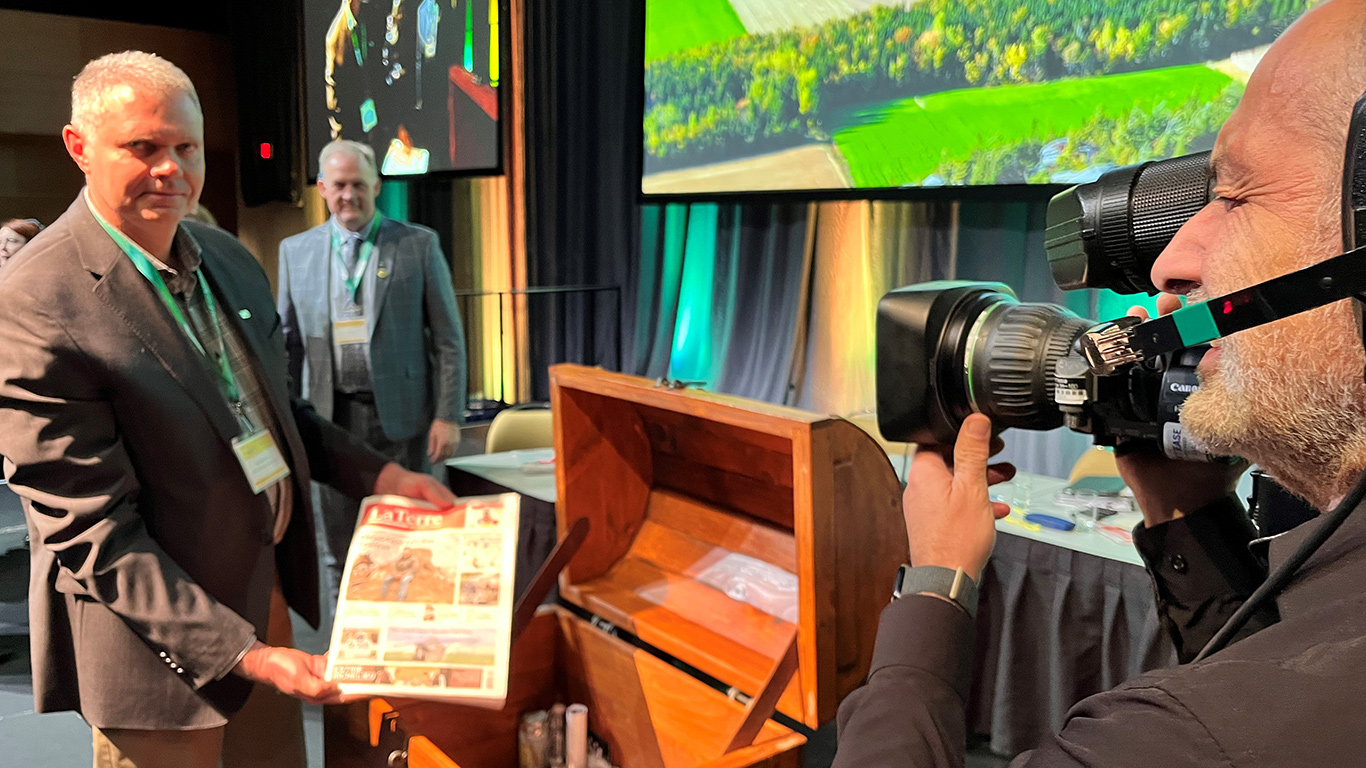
744, 539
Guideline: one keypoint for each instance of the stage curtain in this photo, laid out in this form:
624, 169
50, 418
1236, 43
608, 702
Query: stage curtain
582, 169
719, 293
778, 302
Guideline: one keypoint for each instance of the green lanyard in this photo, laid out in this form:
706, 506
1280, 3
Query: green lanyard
149, 271
353, 277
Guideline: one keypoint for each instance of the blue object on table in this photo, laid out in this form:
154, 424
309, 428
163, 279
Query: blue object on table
1049, 521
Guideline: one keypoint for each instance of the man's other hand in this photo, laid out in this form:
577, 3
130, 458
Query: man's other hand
950, 520
442, 440
1164, 488
291, 672
398, 481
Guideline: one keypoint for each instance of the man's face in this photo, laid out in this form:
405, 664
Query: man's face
144, 161
1288, 395
350, 189
10, 243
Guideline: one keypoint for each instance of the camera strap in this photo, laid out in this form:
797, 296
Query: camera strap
1123, 343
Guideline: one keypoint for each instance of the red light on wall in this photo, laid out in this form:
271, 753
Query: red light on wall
265, 151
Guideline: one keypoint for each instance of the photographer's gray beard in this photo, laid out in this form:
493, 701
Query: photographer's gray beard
1291, 398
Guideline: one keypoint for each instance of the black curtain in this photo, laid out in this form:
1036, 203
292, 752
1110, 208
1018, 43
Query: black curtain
760, 282
584, 77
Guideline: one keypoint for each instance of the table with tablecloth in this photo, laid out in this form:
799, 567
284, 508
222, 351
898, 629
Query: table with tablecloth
1063, 615
530, 473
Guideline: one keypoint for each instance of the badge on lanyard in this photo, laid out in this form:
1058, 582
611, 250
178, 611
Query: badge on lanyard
350, 330
261, 460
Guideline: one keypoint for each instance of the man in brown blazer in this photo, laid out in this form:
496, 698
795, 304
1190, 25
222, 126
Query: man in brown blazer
146, 421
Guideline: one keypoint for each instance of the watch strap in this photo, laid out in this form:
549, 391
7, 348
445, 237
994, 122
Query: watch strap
954, 584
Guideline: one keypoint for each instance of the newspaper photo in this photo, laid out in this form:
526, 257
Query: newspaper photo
425, 610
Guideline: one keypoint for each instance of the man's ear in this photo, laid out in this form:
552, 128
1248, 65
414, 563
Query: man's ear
76, 147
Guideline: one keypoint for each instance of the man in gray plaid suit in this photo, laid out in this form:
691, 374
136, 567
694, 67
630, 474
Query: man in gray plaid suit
370, 323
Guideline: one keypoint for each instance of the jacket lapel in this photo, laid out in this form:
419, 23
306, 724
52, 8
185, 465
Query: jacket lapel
386, 252
128, 294
317, 276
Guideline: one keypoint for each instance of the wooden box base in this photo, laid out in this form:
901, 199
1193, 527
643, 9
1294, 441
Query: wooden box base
651, 714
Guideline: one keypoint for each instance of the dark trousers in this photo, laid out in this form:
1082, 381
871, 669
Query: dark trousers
356, 414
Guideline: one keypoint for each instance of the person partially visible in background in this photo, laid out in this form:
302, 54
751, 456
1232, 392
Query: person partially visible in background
15, 234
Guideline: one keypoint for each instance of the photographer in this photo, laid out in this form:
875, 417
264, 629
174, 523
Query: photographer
1289, 396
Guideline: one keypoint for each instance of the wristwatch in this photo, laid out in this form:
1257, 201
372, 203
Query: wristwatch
954, 584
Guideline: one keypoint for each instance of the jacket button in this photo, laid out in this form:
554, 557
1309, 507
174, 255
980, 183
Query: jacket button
1178, 564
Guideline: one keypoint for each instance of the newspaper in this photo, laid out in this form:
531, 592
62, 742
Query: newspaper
425, 610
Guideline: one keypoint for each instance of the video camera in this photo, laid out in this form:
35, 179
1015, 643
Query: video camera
948, 349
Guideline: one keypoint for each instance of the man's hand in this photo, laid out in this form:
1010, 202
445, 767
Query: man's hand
1164, 488
398, 481
950, 521
442, 440
291, 672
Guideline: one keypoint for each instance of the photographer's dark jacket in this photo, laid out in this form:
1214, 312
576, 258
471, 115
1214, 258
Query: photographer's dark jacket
1289, 693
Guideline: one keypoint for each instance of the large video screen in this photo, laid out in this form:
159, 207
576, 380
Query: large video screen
756, 95
417, 80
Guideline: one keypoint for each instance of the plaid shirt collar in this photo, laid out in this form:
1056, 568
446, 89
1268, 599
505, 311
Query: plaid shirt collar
182, 281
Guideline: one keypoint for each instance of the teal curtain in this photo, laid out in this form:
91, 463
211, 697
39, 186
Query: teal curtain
693, 356
393, 199
717, 297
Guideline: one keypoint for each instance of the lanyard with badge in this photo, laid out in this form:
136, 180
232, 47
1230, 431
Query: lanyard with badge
351, 329
260, 457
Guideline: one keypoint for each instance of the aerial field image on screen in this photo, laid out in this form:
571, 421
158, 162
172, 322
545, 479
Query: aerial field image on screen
761, 95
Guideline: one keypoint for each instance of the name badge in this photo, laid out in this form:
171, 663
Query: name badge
349, 331
261, 460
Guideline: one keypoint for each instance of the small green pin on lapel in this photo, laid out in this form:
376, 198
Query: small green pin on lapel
381, 273
245, 314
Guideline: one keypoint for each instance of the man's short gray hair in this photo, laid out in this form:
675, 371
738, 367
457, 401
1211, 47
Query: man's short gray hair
144, 72
362, 152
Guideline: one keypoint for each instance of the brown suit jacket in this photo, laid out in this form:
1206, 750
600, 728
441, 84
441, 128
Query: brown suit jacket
152, 561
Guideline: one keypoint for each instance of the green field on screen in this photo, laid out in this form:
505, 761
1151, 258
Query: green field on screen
903, 141
678, 25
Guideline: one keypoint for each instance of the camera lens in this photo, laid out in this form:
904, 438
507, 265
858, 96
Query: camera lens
949, 349
1108, 233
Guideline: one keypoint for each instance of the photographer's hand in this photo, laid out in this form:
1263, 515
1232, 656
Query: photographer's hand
1164, 488
950, 521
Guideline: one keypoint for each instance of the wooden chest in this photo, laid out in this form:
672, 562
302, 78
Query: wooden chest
736, 561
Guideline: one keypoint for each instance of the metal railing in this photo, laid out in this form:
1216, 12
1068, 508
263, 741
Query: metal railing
590, 294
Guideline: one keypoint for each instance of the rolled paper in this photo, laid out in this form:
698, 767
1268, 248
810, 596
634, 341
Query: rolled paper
576, 736
554, 754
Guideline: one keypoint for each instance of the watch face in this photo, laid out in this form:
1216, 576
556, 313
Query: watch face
900, 580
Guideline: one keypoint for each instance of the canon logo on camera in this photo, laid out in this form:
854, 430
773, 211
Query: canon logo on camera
1186, 388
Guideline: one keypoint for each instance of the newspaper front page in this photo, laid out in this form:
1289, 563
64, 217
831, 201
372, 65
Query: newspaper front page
426, 601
